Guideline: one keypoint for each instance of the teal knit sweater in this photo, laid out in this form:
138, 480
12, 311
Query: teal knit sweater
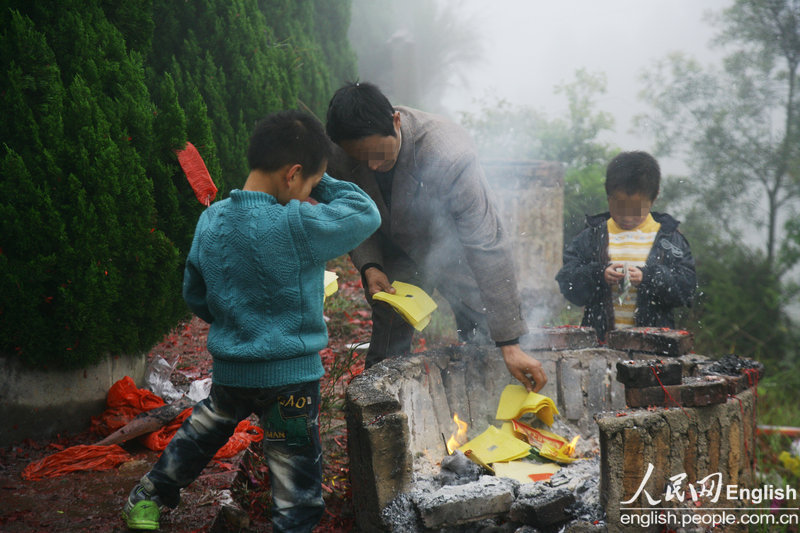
255, 273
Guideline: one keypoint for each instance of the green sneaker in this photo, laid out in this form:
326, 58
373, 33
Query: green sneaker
143, 515
141, 511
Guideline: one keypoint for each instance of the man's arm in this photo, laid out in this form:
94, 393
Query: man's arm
488, 252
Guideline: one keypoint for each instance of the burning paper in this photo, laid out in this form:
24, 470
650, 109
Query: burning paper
516, 401
547, 444
560, 455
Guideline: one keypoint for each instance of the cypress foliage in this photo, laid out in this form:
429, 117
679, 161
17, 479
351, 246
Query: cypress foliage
96, 215
76, 285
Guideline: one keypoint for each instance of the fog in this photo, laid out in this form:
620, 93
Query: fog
532, 46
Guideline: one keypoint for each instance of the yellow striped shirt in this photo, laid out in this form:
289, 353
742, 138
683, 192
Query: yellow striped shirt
631, 248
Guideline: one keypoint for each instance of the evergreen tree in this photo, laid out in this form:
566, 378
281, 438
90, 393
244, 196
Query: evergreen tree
76, 150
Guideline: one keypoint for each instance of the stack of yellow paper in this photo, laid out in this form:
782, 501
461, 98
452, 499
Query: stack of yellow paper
413, 304
516, 401
525, 472
495, 446
331, 285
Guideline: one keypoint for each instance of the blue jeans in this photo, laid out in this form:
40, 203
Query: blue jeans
290, 418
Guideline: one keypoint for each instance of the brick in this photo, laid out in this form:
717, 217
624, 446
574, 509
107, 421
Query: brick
690, 456
660, 341
734, 453
640, 373
713, 438
571, 377
632, 463
546, 509
693, 392
560, 338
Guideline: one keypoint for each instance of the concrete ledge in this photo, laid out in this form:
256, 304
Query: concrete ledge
38, 404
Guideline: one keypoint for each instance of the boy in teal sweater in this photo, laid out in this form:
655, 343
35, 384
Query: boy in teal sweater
255, 273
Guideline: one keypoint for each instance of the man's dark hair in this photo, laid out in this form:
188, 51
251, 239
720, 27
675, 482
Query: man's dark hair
359, 110
633, 172
287, 138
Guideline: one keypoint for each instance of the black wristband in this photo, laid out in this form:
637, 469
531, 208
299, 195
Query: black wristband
370, 265
500, 344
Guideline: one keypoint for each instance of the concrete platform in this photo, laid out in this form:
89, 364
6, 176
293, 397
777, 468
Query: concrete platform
39, 404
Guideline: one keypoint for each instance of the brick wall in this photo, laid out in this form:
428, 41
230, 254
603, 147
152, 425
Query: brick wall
695, 441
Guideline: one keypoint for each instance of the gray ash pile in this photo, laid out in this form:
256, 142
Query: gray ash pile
733, 365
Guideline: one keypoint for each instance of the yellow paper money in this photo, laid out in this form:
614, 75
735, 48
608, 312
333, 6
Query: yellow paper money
515, 401
413, 304
495, 446
331, 285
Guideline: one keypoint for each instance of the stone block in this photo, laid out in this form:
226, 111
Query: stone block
660, 341
598, 397
693, 392
560, 338
546, 508
571, 387
456, 505
645, 373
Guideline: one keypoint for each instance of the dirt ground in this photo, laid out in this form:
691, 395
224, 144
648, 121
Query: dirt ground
92, 501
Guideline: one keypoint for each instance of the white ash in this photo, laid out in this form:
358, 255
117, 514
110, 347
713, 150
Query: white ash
582, 478
458, 469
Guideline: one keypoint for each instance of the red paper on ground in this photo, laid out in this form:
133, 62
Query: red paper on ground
76, 458
125, 401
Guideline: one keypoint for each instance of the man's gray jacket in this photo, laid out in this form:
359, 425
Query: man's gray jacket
444, 218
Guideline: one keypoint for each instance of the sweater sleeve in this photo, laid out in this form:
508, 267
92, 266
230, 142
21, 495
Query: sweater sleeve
344, 217
194, 286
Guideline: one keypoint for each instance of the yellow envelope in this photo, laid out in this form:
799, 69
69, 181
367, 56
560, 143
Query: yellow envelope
495, 446
516, 401
331, 285
413, 304
524, 471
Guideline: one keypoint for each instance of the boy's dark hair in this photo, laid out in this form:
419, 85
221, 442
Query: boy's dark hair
359, 110
287, 138
633, 172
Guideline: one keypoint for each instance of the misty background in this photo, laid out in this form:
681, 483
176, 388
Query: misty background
701, 84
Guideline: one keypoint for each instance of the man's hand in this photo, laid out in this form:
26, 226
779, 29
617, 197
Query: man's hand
377, 281
524, 367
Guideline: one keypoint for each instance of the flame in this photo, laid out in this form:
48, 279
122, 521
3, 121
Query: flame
458, 437
570, 448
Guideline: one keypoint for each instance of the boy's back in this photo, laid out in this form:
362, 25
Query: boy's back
255, 273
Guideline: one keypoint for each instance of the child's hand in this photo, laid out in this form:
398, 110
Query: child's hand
614, 273
635, 275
